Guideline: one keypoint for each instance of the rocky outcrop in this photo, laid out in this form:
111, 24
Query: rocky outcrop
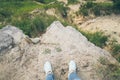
14, 32
58, 45
6, 42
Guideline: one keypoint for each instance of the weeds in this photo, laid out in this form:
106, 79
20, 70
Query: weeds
59, 6
58, 49
115, 49
103, 60
96, 8
98, 38
35, 26
108, 71
47, 51
72, 1
45, 1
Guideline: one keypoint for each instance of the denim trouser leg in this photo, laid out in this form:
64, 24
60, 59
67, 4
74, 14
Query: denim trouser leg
50, 77
73, 76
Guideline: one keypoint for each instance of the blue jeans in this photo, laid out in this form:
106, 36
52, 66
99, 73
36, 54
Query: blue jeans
72, 76
50, 77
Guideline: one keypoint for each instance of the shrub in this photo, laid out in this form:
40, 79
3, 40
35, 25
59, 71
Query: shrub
115, 49
116, 6
59, 6
5, 13
98, 38
36, 26
63, 10
96, 8
24, 24
96, 11
84, 11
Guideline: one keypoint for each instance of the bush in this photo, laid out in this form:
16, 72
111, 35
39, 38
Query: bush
36, 26
5, 13
24, 25
116, 6
96, 11
98, 38
115, 49
58, 6
84, 11
96, 8
63, 10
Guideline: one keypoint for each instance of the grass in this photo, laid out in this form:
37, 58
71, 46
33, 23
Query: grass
96, 8
107, 70
45, 1
34, 26
115, 49
15, 9
19, 7
72, 1
47, 51
17, 13
59, 6
58, 49
98, 38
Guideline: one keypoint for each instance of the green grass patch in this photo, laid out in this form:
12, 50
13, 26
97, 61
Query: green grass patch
72, 1
98, 38
34, 26
115, 49
96, 8
10, 9
59, 6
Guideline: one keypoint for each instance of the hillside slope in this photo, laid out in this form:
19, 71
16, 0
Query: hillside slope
108, 24
59, 45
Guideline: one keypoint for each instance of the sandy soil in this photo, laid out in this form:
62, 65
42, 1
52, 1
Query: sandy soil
108, 24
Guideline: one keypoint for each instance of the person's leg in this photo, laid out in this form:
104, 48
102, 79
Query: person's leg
72, 71
50, 77
73, 76
48, 71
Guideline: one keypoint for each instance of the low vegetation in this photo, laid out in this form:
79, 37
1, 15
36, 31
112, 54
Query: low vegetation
18, 14
108, 70
45, 1
115, 49
59, 6
72, 1
98, 38
98, 9
34, 26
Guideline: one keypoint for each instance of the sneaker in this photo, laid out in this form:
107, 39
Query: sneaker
72, 66
47, 67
